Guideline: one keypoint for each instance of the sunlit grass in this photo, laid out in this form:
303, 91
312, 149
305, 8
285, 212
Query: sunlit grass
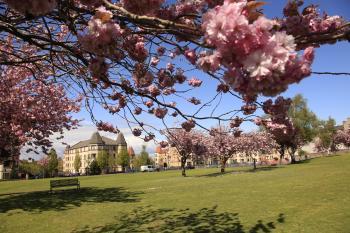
310, 197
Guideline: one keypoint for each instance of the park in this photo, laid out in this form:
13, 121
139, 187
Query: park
311, 196
174, 116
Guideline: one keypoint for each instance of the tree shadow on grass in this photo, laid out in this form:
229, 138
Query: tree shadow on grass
205, 220
303, 161
64, 199
258, 169
263, 169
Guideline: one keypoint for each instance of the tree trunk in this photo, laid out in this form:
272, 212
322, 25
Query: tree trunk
223, 164
183, 166
292, 155
254, 163
282, 150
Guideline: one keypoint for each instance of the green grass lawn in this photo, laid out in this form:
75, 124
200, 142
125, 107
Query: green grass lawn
310, 197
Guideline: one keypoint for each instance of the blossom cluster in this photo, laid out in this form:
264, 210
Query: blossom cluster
277, 109
105, 126
278, 124
102, 35
160, 112
137, 132
258, 60
309, 20
236, 122
188, 125
195, 82
88, 3
32, 7
142, 7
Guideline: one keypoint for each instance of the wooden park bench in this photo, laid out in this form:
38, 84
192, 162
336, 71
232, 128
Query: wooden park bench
64, 183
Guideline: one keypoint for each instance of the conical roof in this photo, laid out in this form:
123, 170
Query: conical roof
131, 151
159, 150
121, 140
96, 139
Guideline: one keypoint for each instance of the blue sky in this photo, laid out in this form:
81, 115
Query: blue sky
327, 95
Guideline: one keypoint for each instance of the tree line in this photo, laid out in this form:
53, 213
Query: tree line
293, 127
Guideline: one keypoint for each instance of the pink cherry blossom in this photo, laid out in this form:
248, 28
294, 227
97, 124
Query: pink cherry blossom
154, 61
194, 101
188, 125
160, 112
136, 132
142, 6
32, 7
195, 82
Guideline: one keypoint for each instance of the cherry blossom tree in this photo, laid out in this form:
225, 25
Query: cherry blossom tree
257, 143
129, 56
332, 140
280, 126
222, 145
342, 137
190, 145
32, 108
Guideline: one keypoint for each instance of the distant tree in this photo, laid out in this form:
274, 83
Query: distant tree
326, 133
31, 168
305, 122
60, 164
43, 163
53, 162
221, 145
102, 161
256, 143
291, 123
123, 159
144, 157
136, 162
77, 162
342, 137
190, 145
111, 162
94, 168
32, 108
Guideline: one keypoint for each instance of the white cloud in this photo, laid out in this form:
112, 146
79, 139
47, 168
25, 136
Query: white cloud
84, 132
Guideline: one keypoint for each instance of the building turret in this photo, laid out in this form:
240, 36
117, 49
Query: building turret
131, 152
96, 139
121, 143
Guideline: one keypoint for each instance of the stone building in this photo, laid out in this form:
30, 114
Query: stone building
346, 124
88, 150
171, 158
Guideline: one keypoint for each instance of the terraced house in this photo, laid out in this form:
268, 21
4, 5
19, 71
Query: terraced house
90, 149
